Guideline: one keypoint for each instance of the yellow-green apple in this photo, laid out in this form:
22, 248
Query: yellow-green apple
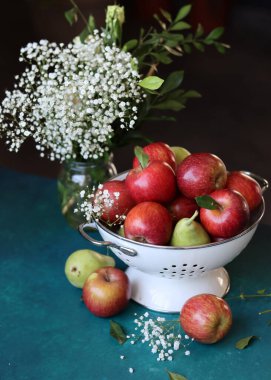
154, 182
247, 186
158, 151
230, 215
180, 153
106, 292
182, 207
115, 200
188, 232
80, 264
201, 173
148, 222
206, 318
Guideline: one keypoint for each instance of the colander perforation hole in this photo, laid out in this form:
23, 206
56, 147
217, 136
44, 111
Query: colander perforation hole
173, 266
195, 265
184, 265
183, 270
165, 268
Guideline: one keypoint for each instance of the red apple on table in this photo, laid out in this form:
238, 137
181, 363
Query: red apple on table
106, 292
206, 318
149, 222
182, 207
151, 181
229, 218
201, 173
117, 202
158, 151
247, 186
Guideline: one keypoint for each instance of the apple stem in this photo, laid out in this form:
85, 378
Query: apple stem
193, 217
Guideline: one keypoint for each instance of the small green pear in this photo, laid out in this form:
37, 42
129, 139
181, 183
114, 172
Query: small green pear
180, 153
120, 231
188, 232
80, 264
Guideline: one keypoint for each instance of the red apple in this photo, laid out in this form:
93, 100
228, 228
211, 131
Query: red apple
158, 151
247, 186
156, 182
117, 202
230, 218
106, 292
182, 207
206, 318
201, 173
148, 222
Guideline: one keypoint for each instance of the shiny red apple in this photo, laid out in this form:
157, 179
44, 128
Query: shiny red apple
200, 174
206, 318
182, 207
114, 199
158, 151
231, 216
155, 182
149, 222
106, 292
247, 186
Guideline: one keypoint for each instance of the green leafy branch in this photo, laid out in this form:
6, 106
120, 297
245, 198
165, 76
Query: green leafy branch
260, 294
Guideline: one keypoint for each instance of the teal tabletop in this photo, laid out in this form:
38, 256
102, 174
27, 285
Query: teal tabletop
47, 333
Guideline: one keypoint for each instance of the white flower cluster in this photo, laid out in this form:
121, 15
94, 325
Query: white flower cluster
162, 336
69, 97
95, 204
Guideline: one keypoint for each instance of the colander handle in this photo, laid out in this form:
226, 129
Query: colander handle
262, 181
127, 251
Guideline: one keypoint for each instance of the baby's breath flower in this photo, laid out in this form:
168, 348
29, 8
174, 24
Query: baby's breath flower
69, 97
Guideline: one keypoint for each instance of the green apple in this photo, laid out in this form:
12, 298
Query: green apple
80, 264
180, 153
188, 232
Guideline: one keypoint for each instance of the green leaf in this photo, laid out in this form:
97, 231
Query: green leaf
151, 83
176, 376
192, 94
199, 31
116, 331
142, 157
84, 34
181, 25
199, 46
215, 33
183, 12
170, 104
244, 342
129, 45
91, 24
166, 14
172, 81
71, 16
162, 57
220, 48
187, 48
262, 291
208, 202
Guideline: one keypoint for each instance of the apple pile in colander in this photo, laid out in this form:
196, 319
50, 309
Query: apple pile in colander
174, 197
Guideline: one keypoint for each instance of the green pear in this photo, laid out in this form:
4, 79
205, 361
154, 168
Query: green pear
121, 231
80, 264
180, 153
188, 232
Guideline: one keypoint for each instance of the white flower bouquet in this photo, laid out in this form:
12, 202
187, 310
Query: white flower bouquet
80, 101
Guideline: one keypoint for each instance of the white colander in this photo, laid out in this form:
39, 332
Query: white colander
164, 277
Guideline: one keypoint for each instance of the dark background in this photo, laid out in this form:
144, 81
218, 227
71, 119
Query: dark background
232, 119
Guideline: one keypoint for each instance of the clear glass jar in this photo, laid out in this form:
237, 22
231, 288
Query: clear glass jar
76, 176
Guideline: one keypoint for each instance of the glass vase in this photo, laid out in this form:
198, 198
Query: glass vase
74, 177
